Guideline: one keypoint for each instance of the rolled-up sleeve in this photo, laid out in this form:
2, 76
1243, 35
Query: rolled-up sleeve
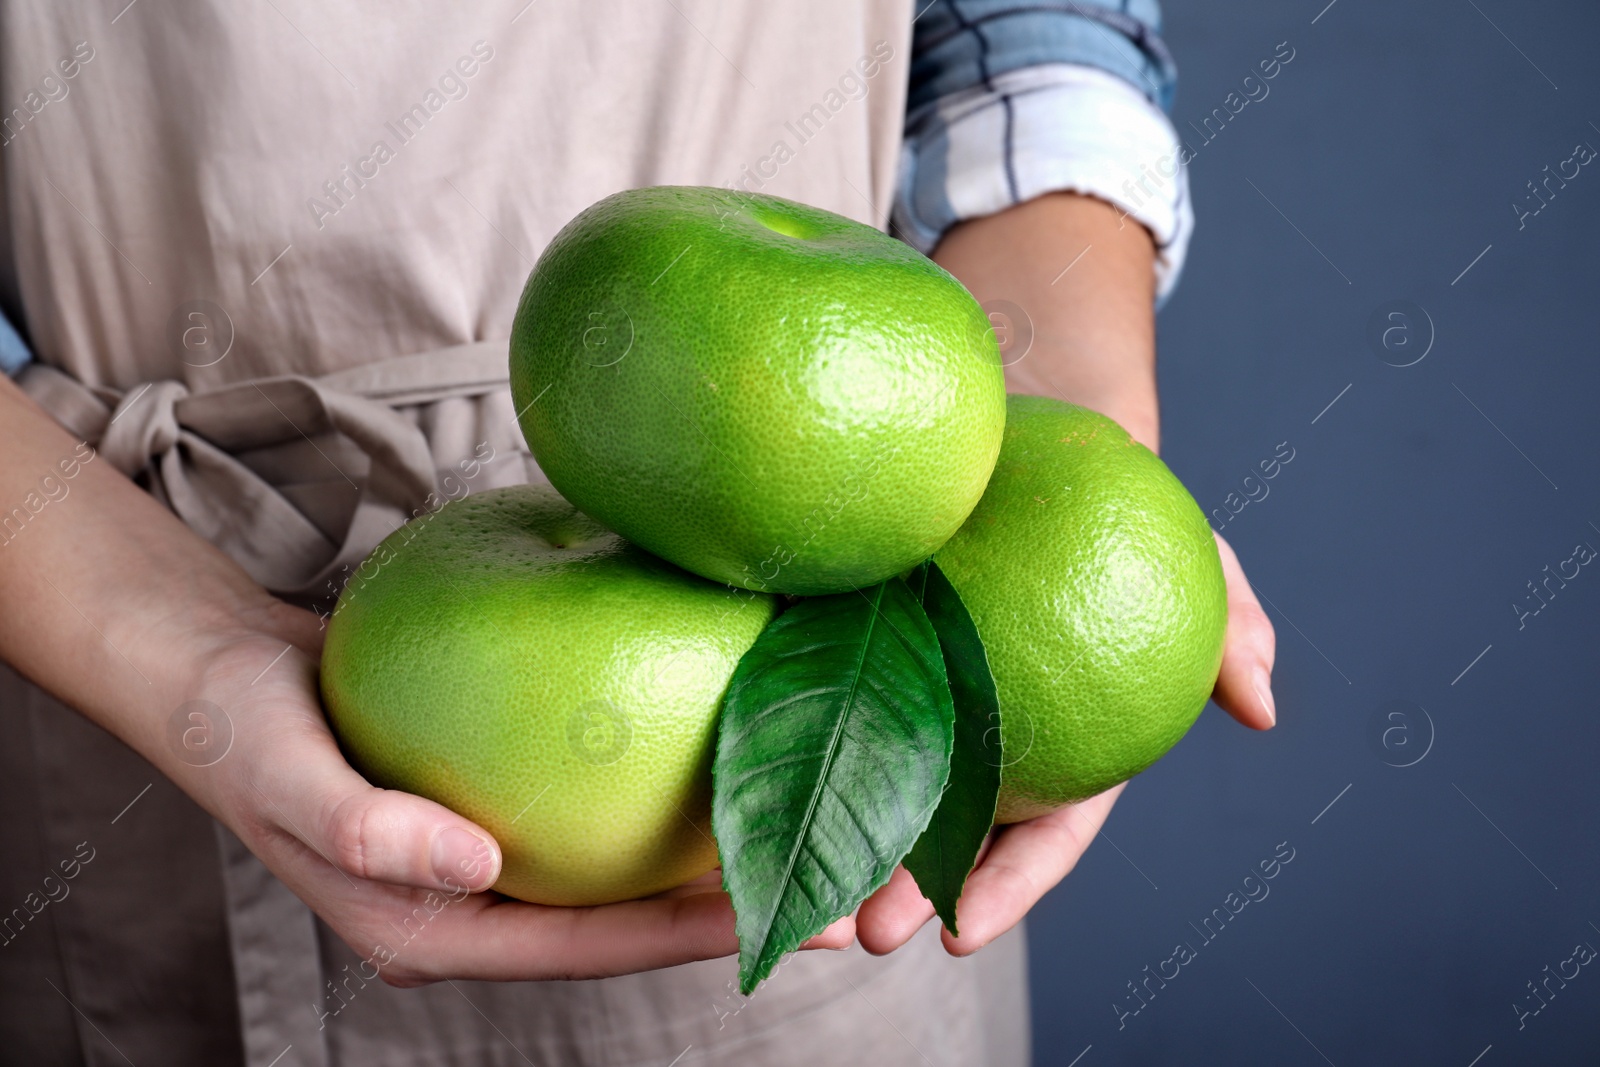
1009, 101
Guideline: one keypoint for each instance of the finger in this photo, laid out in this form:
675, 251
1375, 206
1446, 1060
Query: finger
891, 916
507, 940
1244, 684
1025, 862
489, 938
839, 934
303, 787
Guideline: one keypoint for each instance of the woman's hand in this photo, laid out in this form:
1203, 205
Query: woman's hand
1026, 860
1092, 343
378, 865
130, 615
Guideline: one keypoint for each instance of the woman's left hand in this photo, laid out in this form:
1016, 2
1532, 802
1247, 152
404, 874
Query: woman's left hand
1026, 860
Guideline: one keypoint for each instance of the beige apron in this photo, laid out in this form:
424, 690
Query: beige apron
268, 255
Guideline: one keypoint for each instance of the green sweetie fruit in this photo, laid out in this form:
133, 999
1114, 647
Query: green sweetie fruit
532, 671
1095, 584
765, 393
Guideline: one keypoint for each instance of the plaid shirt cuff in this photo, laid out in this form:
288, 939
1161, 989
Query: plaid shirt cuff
1052, 127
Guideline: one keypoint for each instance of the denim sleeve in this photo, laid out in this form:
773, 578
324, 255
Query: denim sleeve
1010, 100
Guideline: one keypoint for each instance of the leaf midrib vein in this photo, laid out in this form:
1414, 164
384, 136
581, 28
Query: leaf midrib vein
822, 779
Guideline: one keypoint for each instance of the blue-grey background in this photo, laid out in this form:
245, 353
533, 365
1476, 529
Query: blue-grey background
1386, 157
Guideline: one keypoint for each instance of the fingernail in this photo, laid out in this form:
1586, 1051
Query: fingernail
463, 859
1261, 682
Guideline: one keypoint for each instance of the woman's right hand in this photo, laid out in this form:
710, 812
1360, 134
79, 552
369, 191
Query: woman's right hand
124, 613
368, 860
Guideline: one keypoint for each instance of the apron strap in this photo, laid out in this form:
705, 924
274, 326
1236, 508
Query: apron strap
189, 445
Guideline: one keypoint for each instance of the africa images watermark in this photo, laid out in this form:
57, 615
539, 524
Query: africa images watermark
853, 84
51, 89
1535, 1002
732, 1002
1255, 889
410, 927
1254, 90
1583, 553
850, 490
1270, 468
348, 181
1525, 208
53, 488
455, 488
55, 889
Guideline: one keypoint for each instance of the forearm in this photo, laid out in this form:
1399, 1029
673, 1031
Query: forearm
1092, 314
112, 604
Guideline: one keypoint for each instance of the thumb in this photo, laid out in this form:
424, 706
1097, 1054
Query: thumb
384, 835
1244, 684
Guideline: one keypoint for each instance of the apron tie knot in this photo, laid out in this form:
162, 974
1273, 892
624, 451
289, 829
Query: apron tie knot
296, 478
143, 426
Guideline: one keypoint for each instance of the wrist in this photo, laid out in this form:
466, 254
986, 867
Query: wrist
216, 644
229, 694
1080, 283
213, 620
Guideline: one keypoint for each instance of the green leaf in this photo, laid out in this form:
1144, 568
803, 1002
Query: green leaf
833, 749
947, 850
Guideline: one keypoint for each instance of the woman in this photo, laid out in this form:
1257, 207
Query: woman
266, 258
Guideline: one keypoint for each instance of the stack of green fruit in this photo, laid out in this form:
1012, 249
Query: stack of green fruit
815, 599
